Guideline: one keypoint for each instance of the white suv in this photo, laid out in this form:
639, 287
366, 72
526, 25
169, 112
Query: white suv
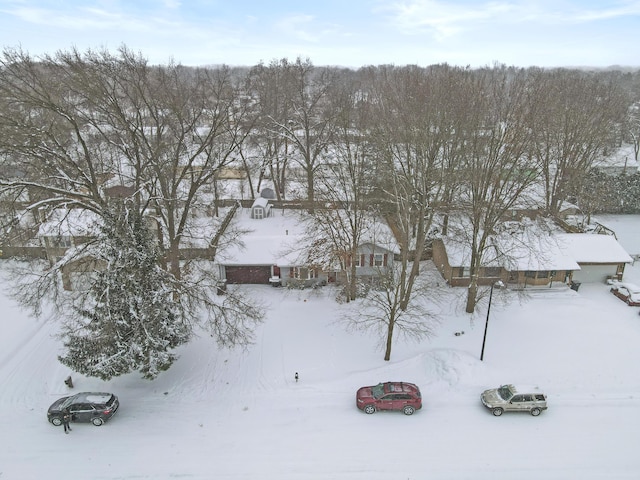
508, 398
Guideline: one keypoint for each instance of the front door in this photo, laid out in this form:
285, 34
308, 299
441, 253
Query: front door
82, 412
519, 402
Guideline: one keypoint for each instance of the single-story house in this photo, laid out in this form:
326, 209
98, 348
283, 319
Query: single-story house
562, 257
268, 251
453, 259
271, 250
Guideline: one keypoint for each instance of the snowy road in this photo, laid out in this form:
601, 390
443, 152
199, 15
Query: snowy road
234, 415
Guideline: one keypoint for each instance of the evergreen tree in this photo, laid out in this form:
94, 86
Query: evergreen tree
130, 320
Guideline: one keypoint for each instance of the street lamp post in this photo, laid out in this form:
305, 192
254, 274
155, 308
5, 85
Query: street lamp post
486, 323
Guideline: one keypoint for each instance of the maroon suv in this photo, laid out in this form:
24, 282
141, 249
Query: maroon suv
390, 396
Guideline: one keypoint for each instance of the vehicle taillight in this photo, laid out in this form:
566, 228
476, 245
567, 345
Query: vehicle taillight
107, 412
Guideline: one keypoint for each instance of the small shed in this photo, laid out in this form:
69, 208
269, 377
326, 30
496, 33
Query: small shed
261, 208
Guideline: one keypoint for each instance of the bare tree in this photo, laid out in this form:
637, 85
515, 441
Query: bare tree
633, 128
80, 123
269, 87
345, 184
573, 120
307, 122
382, 310
417, 148
497, 171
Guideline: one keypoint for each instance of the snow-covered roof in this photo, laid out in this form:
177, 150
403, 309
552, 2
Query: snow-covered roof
70, 223
530, 249
280, 239
593, 248
260, 202
534, 253
514, 254
377, 232
270, 241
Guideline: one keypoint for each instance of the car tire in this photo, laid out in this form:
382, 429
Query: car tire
97, 421
497, 411
57, 421
536, 411
408, 410
369, 409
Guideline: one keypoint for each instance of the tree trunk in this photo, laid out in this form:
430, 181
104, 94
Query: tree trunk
472, 294
387, 352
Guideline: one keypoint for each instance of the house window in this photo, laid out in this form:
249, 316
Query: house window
378, 260
258, 213
463, 272
536, 274
63, 241
302, 273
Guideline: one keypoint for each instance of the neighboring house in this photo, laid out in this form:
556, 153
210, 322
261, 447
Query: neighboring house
64, 229
62, 234
268, 251
564, 257
371, 262
374, 256
453, 259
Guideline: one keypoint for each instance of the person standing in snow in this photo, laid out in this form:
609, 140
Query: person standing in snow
66, 418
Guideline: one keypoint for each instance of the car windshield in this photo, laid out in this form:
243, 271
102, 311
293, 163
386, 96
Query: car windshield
377, 391
66, 403
505, 392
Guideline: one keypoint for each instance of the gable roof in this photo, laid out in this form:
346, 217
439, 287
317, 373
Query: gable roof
513, 255
271, 241
74, 222
281, 238
563, 251
593, 248
260, 202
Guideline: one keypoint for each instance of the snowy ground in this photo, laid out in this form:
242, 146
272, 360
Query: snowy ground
240, 415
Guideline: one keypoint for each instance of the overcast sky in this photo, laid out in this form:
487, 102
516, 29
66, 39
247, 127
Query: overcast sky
348, 33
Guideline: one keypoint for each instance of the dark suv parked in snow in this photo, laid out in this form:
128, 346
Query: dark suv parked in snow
92, 407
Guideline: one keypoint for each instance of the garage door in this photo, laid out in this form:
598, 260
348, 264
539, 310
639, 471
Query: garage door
593, 273
248, 274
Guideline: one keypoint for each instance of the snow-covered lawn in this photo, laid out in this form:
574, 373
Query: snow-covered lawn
241, 415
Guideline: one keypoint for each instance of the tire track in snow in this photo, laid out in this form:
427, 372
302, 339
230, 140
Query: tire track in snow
18, 371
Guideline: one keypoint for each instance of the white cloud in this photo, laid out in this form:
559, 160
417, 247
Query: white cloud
295, 25
445, 19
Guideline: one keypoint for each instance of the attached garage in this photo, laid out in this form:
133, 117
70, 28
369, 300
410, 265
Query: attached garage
599, 256
248, 274
595, 273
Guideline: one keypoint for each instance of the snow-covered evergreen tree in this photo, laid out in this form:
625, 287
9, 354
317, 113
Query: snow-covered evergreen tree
130, 320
